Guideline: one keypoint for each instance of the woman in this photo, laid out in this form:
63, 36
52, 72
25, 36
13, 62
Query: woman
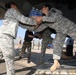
8, 31
62, 26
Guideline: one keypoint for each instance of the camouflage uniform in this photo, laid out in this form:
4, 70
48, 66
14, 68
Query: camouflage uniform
63, 27
8, 31
7, 47
27, 44
46, 38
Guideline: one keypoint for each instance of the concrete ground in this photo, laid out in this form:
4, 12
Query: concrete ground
68, 67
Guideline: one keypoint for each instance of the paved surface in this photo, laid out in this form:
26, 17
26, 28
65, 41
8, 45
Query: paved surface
68, 67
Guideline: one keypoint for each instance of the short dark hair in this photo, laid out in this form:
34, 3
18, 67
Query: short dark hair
47, 5
8, 5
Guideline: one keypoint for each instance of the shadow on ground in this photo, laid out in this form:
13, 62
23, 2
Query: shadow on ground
48, 61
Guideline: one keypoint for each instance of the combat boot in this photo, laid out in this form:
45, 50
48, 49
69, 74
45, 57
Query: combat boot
55, 65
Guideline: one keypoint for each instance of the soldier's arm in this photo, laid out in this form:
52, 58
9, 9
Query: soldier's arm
53, 18
55, 15
23, 19
31, 28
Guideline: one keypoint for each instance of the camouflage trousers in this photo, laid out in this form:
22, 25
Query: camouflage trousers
26, 45
45, 42
7, 48
58, 45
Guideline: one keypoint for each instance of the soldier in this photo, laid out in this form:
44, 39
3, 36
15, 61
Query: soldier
63, 27
27, 44
8, 32
46, 38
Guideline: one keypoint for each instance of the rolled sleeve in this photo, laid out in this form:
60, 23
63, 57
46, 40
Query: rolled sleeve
48, 19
